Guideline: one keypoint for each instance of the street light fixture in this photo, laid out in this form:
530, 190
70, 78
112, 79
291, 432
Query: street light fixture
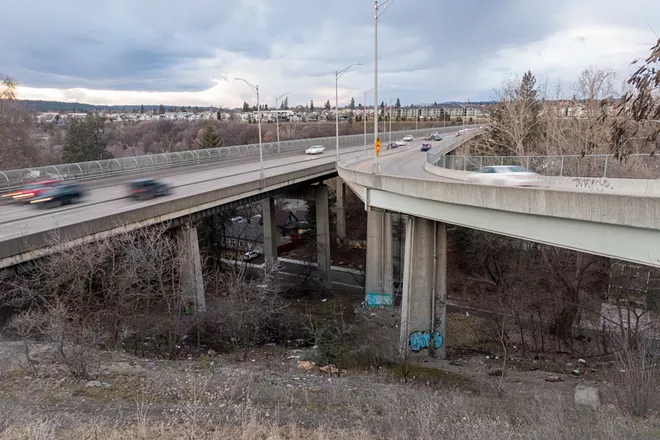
255, 89
338, 75
277, 116
364, 117
384, 5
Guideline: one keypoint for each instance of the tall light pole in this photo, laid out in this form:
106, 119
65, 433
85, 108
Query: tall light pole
364, 117
338, 74
277, 119
384, 5
389, 117
255, 89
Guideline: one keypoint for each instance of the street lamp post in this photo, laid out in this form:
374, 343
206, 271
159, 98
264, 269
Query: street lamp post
338, 75
389, 117
277, 119
384, 5
255, 89
364, 117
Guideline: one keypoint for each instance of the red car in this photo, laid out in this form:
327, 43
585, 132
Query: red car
31, 190
426, 147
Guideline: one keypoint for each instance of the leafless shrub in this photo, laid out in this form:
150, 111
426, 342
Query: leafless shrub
244, 308
638, 374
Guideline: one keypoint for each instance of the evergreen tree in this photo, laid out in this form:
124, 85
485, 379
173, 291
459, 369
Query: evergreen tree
142, 109
327, 105
182, 110
208, 137
352, 104
86, 140
218, 115
246, 107
311, 105
161, 110
286, 103
398, 103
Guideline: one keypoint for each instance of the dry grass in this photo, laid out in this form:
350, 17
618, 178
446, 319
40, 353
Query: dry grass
257, 404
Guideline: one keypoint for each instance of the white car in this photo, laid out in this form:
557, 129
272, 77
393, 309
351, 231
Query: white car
505, 175
250, 255
400, 143
408, 138
315, 149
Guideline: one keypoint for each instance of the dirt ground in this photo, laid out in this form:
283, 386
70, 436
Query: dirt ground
267, 383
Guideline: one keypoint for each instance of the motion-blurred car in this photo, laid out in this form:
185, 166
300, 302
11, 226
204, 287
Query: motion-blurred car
426, 147
428, 137
250, 255
31, 191
505, 175
437, 137
400, 143
394, 145
143, 189
315, 149
58, 195
459, 133
408, 138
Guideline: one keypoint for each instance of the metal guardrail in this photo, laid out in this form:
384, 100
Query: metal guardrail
634, 166
125, 166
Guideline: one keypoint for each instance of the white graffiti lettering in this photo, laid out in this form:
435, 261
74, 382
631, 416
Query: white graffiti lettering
599, 185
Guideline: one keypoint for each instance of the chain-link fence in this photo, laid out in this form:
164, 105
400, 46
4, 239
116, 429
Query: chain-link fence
138, 165
635, 166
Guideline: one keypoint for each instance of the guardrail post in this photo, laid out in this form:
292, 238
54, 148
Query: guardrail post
527, 165
481, 162
561, 167
605, 170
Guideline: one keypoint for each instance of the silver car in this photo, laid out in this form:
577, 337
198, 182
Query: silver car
505, 175
315, 149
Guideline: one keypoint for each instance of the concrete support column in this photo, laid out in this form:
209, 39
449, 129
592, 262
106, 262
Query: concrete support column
341, 209
270, 231
379, 289
423, 307
192, 280
323, 234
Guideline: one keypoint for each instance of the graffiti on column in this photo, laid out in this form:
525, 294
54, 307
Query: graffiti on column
422, 340
378, 299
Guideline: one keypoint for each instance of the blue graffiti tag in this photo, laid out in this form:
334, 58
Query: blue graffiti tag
422, 340
378, 299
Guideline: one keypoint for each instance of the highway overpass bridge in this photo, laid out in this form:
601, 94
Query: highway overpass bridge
621, 222
204, 182
618, 218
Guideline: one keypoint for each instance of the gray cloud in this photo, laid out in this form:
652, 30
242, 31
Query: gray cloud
429, 50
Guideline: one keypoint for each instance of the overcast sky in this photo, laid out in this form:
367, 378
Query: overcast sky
188, 52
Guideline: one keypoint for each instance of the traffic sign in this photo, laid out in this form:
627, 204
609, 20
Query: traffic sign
378, 146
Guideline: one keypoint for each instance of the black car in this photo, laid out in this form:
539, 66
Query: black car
63, 194
142, 189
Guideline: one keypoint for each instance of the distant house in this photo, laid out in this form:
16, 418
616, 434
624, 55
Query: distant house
289, 222
242, 236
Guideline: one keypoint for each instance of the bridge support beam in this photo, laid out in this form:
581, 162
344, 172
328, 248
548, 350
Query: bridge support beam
379, 289
192, 281
341, 209
323, 234
424, 303
270, 231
